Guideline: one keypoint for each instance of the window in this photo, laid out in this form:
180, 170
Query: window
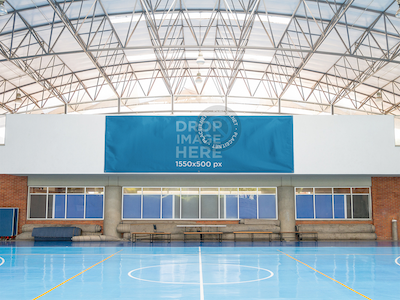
199, 203
94, 203
360, 206
333, 203
151, 203
66, 202
38, 206
247, 203
189, 206
167, 202
209, 203
323, 203
132, 203
229, 203
305, 207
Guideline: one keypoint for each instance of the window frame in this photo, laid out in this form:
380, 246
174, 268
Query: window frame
65, 200
333, 204
174, 218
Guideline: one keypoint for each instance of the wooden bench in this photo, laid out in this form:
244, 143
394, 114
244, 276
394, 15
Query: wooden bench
299, 234
202, 233
252, 234
151, 235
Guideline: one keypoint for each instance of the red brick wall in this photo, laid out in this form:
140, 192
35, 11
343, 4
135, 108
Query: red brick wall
385, 205
14, 193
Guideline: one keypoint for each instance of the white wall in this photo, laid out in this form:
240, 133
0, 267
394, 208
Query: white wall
53, 144
345, 145
2, 128
74, 144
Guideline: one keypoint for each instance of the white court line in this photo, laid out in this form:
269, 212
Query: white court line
2, 261
201, 277
196, 283
397, 261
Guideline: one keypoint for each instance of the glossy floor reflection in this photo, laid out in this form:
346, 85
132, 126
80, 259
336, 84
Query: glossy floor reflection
196, 271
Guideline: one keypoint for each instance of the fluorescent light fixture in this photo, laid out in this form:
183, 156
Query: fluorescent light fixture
200, 59
379, 99
3, 10
18, 98
198, 78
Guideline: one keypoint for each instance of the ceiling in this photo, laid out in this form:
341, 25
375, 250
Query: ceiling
139, 56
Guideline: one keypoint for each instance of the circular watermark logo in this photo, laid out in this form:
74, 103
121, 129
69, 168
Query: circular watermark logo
218, 131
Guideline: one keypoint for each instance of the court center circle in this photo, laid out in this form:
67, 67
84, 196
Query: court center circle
397, 261
1, 261
213, 274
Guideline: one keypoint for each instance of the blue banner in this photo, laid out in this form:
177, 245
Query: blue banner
199, 144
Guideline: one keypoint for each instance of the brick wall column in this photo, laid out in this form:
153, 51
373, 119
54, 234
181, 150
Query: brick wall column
385, 205
14, 193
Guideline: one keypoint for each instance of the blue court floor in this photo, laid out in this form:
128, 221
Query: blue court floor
307, 270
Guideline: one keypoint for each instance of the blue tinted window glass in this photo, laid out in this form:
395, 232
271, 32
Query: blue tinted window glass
190, 206
247, 206
339, 206
304, 206
167, 206
151, 206
132, 206
266, 207
323, 206
59, 206
75, 206
231, 207
94, 206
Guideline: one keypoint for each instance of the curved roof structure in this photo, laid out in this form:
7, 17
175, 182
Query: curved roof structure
139, 56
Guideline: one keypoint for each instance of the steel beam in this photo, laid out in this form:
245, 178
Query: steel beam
61, 14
